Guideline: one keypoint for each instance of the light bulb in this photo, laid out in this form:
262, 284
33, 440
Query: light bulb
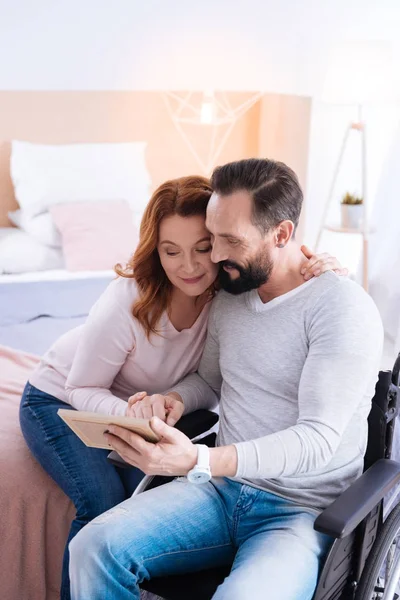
207, 110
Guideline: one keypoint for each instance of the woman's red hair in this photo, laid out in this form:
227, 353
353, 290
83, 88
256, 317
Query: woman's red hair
186, 197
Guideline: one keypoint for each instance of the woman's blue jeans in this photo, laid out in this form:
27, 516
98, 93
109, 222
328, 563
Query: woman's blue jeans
85, 475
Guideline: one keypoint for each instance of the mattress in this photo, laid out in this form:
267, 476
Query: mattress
36, 308
56, 275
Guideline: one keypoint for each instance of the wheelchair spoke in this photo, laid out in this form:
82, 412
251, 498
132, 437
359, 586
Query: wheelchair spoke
387, 583
390, 558
393, 580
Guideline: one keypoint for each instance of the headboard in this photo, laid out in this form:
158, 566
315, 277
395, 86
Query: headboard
276, 126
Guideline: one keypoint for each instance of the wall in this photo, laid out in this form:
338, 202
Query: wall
265, 45
284, 135
327, 129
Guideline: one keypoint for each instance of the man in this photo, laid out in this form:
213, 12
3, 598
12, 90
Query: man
294, 365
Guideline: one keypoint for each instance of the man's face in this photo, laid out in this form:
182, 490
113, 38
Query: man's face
243, 253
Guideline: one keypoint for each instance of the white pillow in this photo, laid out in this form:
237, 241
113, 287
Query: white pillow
19, 253
41, 227
44, 175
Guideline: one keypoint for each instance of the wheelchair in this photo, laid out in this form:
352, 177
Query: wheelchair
364, 560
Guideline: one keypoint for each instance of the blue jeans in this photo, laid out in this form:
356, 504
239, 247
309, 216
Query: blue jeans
181, 527
85, 475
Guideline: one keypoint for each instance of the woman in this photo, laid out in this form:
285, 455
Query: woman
146, 332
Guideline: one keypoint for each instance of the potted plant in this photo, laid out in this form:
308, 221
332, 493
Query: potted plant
352, 211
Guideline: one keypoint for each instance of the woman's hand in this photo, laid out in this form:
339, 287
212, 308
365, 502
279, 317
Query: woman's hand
319, 263
168, 408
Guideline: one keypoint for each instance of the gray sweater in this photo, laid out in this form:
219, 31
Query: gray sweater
295, 377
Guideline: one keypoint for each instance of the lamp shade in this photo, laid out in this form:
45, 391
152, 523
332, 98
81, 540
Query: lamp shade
360, 72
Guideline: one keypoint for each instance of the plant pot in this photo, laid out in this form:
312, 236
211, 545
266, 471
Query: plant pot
352, 216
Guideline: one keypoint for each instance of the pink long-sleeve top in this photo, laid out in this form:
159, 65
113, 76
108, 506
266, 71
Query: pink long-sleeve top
97, 366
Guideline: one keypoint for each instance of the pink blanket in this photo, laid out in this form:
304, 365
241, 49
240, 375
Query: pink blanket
35, 515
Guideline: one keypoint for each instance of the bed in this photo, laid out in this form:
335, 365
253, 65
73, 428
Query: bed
36, 514
35, 309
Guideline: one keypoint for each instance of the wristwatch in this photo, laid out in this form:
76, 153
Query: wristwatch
201, 472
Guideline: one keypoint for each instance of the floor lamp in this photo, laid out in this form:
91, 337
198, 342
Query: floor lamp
359, 74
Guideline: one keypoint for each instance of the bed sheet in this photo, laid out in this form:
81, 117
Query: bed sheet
36, 308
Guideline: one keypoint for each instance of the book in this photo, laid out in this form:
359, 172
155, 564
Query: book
90, 426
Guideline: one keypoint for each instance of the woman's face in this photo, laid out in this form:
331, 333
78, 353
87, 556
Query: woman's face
184, 248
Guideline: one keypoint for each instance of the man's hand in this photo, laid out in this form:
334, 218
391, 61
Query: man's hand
173, 455
319, 263
168, 408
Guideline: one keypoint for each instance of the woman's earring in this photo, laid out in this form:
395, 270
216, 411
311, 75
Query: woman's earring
281, 245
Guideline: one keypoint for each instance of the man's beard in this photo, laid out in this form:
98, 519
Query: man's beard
251, 277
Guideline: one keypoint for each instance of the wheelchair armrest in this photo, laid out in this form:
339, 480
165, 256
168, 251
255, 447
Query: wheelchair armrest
354, 504
192, 425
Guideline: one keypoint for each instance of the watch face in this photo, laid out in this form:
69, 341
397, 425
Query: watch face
199, 477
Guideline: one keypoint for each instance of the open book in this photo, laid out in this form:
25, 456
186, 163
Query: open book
90, 426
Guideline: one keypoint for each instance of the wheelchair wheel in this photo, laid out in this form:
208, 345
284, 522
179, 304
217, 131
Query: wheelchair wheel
381, 574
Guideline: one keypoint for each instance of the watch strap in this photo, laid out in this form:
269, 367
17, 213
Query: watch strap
203, 456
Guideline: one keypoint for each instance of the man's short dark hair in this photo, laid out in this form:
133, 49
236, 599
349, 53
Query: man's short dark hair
274, 187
